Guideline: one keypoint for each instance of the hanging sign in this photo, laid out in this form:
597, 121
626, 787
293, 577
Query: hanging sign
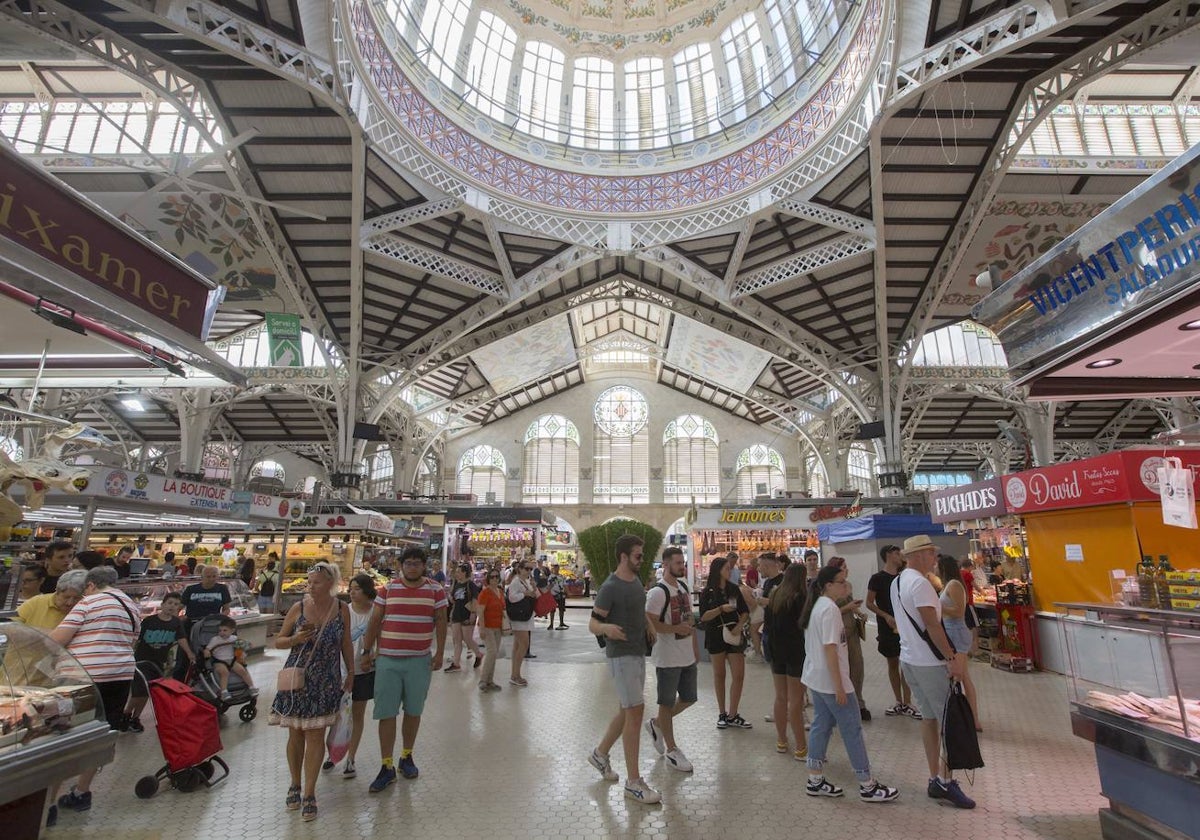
967, 501
1177, 490
283, 334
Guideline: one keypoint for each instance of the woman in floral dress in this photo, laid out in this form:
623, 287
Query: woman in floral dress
317, 632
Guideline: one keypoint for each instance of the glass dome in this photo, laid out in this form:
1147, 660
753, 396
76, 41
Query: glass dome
617, 75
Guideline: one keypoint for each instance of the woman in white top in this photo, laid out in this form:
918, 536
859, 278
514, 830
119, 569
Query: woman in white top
362, 600
827, 676
520, 588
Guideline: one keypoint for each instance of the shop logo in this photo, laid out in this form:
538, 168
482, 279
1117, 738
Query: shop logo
284, 507
116, 484
141, 481
1148, 472
1016, 493
744, 516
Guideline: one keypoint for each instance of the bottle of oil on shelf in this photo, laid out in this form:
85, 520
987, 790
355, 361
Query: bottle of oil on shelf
1148, 593
1161, 584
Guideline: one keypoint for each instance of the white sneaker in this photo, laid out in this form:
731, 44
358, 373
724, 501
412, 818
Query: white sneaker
642, 792
656, 737
679, 761
602, 763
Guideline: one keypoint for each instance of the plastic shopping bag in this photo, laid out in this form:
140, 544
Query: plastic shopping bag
337, 742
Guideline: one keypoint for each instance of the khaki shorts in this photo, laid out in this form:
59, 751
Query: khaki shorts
930, 686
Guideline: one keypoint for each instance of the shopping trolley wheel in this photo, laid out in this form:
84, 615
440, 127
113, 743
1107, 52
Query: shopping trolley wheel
248, 712
146, 787
188, 780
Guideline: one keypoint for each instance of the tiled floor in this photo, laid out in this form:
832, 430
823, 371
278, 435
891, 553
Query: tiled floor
513, 764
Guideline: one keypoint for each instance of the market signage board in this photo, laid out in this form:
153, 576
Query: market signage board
43, 216
496, 515
754, 518
1139, 252
968, 501
128, 485
1119, 477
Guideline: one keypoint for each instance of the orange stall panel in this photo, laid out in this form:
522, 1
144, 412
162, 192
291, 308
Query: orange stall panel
1181, 545
1108, 538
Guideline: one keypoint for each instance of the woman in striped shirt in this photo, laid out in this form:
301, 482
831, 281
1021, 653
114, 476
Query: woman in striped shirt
100, 632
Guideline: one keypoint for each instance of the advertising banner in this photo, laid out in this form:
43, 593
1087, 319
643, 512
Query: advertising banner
130, 485
969, 501
1127, 476
283, 335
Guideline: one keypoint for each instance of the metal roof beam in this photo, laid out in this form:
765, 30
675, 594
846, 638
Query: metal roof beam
399, 219
812, 259
435, 262
827, 216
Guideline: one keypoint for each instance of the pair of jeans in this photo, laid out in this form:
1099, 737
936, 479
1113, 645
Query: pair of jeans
491, 638
827, 714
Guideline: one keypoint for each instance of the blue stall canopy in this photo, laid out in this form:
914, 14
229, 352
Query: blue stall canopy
882, 526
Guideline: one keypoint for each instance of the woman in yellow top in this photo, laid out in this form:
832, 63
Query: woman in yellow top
45, 612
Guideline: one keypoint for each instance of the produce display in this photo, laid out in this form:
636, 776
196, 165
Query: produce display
1159, 711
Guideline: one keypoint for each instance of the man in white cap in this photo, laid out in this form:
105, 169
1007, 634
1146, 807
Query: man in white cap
927, 659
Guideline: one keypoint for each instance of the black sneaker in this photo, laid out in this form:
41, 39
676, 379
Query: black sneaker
739, 722
865, 713
327, 766
823, 788
877, 793
123, 724
135, 725
951, 792
722, 721
895, 711
76, 801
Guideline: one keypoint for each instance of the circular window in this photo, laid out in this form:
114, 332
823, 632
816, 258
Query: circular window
621, 412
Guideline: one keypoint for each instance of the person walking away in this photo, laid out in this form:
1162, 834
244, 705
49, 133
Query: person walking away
362, 604
669, 613
490, 607
853, 618
927, 660
887, 638
724, 613
316, 632
463, 593
520, 588
619, 615
268, 582
99, 632
750, 595
160, 633
558, 588
409, 613
783, 614
827, 675
587, 583
955, 600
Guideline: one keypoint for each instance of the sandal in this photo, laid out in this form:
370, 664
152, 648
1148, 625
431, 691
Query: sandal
293, 798
801, 754
309, 812
781, 746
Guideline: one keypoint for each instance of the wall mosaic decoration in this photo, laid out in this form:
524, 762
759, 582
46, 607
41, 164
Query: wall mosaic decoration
526, 356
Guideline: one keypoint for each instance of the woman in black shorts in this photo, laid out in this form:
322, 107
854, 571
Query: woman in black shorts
782, 620
723, 613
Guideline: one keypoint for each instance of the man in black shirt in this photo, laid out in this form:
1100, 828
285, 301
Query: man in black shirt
879, 601
160, 632
121, 564
208, 597
58, 560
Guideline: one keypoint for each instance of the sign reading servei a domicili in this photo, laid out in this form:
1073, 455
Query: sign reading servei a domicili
45, 217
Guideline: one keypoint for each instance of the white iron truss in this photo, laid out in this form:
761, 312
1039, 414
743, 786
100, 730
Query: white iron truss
409, 216
826, 254
436, 262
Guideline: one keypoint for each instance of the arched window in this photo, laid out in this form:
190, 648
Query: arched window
491, 64
695, 91
746, 59
427, 483
217, 462
760, 472
11, 448
541, 91
818, 484
645, 101
266, 476
551, 461
382, 474
621, 451
690, 468
592, 104
481, 471
442, 24
859, 474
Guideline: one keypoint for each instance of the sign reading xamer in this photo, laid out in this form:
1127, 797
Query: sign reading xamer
44, 217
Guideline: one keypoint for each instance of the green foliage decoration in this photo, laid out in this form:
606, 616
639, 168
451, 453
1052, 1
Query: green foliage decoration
599, 547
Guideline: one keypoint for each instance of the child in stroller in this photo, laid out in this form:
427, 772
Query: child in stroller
217, 677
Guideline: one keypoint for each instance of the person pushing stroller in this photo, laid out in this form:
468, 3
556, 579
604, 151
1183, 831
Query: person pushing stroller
222, 649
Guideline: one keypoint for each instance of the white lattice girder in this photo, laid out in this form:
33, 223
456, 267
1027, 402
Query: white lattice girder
826, 254
539, 278
827, 216
500, 252
435, 262
844, 140
389, 222
1041, 96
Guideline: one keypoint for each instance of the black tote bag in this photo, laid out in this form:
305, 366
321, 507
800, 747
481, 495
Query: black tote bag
958, 732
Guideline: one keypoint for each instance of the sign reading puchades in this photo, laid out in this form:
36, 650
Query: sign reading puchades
968, 501
42, 215
131, 485
1142, 250
1116, 478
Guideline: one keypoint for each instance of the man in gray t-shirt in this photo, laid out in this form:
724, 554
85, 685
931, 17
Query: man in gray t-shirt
619, 616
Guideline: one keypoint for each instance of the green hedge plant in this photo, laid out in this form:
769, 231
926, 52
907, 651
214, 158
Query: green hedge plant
599, 547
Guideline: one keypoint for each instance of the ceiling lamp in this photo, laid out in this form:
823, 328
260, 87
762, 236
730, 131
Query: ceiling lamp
132, 403
1191, 325
1103, 363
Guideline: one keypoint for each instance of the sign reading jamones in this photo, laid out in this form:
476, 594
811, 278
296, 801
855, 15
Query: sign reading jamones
968, 501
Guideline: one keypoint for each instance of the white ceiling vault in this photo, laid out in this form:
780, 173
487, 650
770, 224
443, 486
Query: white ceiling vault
792, 314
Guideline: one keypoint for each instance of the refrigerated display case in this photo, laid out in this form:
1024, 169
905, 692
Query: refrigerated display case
52, 723
1134, 686
243, 606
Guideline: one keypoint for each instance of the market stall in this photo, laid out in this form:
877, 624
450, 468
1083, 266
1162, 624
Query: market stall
342, 539
487, 535
751, 530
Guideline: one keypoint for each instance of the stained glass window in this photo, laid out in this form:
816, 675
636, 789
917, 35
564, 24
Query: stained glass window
621, 450
481, 470
760, 472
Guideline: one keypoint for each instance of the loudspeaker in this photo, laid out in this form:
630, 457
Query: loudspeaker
367, 431
893, 480
870, 431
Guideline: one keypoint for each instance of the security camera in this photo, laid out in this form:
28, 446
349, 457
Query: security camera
988, 278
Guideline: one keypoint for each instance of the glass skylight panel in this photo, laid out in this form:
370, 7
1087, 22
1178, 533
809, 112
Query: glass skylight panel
695, 91
541, 91
491, 65
783, 30
592, 103
443, 23
645, 100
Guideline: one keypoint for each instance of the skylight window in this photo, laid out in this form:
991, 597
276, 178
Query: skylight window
132, 404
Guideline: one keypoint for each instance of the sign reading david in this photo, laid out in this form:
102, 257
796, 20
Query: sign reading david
1141, 251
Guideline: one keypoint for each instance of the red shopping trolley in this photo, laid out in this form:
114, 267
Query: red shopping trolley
190, 738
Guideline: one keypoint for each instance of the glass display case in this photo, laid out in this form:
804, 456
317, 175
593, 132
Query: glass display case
1133, 677
51, 723
148, 593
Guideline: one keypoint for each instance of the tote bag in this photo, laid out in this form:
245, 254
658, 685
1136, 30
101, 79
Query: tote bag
958, 732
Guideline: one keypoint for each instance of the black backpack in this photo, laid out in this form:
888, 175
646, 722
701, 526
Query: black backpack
266, 589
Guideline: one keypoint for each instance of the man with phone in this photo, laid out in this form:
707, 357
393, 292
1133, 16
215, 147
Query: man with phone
669, 612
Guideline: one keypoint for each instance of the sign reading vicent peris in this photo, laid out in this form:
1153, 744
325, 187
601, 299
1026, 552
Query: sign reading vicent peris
45, 218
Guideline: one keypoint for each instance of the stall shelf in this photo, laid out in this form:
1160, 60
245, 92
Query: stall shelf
1134, 689
51, 724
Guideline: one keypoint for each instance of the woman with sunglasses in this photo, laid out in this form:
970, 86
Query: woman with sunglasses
317, 634
520, 588
490, 608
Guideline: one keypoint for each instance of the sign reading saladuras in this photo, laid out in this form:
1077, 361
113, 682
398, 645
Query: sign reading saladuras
1141, 250
968, 501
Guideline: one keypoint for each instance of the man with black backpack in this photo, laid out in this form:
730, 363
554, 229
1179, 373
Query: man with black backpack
669, 612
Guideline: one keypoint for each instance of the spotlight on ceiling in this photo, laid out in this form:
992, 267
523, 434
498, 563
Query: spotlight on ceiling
1103, 363
988, 279
1190, 325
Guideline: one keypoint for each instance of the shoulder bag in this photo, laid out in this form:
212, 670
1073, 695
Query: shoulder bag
291, 678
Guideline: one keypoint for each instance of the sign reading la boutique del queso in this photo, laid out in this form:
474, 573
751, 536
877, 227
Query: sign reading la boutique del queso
1119, 477
136, 486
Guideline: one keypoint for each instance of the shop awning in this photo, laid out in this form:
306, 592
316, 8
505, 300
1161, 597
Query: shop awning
1114, 309
884, 526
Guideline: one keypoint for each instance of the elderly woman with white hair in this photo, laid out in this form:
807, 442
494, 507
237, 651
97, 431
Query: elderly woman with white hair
100, 632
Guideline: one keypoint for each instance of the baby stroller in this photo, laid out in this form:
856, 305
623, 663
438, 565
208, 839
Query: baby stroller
190, 739
203, 677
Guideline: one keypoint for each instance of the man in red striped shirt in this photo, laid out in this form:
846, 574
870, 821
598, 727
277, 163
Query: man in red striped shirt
407, 614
